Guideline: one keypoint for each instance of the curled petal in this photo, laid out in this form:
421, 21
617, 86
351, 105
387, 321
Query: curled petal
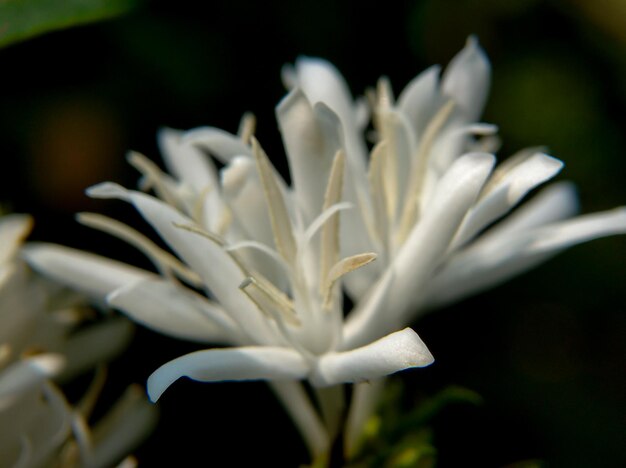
392, 353
220, 144
234, 364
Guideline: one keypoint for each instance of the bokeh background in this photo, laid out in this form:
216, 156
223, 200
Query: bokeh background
546, 351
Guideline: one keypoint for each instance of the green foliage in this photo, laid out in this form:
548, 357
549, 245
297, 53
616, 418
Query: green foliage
23, 19
397, 438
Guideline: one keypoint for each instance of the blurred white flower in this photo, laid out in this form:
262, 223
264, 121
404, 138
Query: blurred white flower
272, 259
38, 427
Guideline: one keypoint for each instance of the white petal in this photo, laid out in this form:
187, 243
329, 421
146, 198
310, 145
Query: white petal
88, 273
467, 79
583, 228
505, 189
499, 258
327, 91
322, 82
173, 310
219, 271
95, 345
421, 98
555, 202
13, 230
220, 144
25, 374
185, 161
241, 187
233, 364
392, 353
123, 428
420, 255
311, 141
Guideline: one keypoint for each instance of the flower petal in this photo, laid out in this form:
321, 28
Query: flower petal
423, 251
185, 161
421, 98
222, 145
500, 257
507, 187
392, 353
13, 230
123, 428
95, 345
173, 310
219, 271
23, 375
467, 79
90, 274
233, 364
311, 141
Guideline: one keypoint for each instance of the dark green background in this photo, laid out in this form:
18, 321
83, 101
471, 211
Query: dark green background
546, 351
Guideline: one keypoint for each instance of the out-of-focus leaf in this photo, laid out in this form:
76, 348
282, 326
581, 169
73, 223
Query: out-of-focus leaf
397, 437
22, 19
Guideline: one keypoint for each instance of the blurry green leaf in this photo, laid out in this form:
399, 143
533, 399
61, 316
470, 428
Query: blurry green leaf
397, 436
430, 407
22, 19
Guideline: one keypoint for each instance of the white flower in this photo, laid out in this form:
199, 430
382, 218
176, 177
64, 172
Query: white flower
428, 194
38, 427
272, 259
286, 329
430, 200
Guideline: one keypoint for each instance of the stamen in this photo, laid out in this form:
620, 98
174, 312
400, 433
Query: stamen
379, 195
197, 212
270, 300
87, 403
324, 218
154, 175
164, 261
279, 217
384, 93
328, 222
247, 126
343, 267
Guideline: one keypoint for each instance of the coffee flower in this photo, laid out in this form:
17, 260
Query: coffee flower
38, 346
275, 300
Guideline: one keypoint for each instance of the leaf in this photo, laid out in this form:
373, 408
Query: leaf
23, 19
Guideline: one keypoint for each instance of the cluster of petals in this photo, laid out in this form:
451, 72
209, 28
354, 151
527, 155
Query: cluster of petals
419, 220
40, 347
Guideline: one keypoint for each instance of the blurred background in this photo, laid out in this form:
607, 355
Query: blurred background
546, 351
